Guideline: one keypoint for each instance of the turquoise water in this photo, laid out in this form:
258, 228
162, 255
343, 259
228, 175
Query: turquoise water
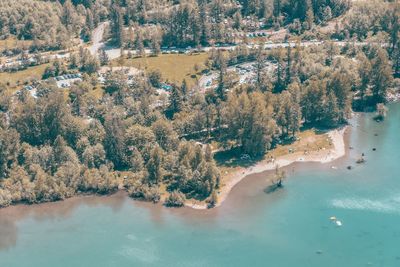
290, 227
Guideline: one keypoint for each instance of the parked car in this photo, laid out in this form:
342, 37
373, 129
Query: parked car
245, 157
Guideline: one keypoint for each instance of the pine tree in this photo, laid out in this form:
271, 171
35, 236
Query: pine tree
184, 90
326, 15
221, 63
381, 76
237, 21
117, 25
279, 84
277, 8
260, 64
288, 77
103, 57
364, 71
154, 166
139, 46
309, 15
175, 101
331, 112
204, 25
155, 45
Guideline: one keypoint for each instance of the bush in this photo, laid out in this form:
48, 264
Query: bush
381, 111
145, 193
213, 200
155, 78
5, 198
175, 199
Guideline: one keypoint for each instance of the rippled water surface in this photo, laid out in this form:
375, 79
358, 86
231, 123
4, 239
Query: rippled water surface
290, 227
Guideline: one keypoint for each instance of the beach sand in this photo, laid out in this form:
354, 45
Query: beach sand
336, 151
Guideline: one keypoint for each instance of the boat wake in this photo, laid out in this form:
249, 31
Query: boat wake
388, 205
140, 254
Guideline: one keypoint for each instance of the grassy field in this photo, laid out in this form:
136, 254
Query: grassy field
309, 140
173, 67
12, 42
15, 79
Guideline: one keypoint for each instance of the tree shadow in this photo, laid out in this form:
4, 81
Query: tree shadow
320, 128
233, 158
272, 188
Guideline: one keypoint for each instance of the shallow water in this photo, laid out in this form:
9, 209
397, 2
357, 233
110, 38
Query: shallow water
290, 227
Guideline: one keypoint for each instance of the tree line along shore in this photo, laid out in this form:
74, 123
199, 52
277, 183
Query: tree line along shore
172, 147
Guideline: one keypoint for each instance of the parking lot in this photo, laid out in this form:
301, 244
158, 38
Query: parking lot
65, 81
246, 73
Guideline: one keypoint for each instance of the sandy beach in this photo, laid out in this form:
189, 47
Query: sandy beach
336, 151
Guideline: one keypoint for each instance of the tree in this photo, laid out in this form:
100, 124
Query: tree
88, 63
9, 148
295, 108
103, 57
114, 139
331, 113
260, 64
221, 64
288, 116
41, 120
237, 21
69, 14
212, 202
62, 153
279, 84
140, 138
154, 166
249, 123
94, 156
175, 199
381, 76
277, 8
313, 100
364, 71
326, 15
340, 84
204, 25
115, 82
139, 46
165, 135
175, 101
381, 111
155, 78
309, 16
184, 90
117, 25
288, 76
155, 44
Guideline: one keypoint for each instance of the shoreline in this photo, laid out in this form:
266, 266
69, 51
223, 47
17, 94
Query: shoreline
322, 156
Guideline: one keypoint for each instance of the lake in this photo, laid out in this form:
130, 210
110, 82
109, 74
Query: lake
290, 227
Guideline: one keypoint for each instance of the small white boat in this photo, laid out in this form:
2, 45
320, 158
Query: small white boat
338, 223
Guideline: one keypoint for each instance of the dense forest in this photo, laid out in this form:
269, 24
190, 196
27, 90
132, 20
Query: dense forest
194, 23
60, 143
137, 23
54, 24
55, 146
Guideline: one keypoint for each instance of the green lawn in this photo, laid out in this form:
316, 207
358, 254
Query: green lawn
12, 42
173, 67
16, 79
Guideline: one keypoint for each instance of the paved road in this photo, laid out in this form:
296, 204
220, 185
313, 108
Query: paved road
113, 53
97, 38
